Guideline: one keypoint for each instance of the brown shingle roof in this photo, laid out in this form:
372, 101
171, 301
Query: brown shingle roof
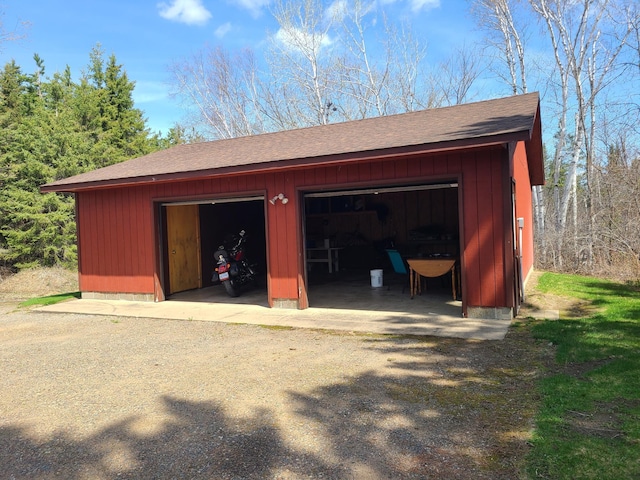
481, 123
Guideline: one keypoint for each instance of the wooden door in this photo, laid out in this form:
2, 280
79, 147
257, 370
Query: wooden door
183, 244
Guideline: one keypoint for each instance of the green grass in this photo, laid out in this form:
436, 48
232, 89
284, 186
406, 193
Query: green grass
49, 300
588, 426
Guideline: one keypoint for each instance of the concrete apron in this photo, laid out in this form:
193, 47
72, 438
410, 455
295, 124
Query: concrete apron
361, 321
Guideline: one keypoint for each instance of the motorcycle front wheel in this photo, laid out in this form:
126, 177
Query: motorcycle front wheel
231, 289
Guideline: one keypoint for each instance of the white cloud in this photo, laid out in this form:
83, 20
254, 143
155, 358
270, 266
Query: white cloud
417, 5
338, 9
191, 12
222, 30
296, 39
254, 6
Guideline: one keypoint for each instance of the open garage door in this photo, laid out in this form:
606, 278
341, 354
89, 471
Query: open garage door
198, 227
349, 234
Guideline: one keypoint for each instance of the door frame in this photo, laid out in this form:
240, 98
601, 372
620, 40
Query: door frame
329, 191
160, 282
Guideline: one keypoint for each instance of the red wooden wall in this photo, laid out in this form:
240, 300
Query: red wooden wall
118, 239
524, 205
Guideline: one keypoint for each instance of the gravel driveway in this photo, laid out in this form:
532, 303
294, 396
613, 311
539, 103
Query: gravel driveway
92, 397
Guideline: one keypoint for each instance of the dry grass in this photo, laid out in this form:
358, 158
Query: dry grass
37, 282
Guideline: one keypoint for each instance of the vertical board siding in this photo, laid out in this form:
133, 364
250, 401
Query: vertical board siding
524, 205
294, 235
388, 169
497, 195
276, 233
119, 234
486, 217
490, 218
483, 250
138, 218
413, 168
453, 163
110, 244
471, 242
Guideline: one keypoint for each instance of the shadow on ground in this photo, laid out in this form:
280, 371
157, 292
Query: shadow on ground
451, 409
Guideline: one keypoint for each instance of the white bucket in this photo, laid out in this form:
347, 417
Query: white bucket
376, 278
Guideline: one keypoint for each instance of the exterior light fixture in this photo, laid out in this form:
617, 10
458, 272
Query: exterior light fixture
281, 196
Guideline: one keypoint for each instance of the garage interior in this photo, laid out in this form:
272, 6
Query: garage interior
214, 221
348, 235
359, 226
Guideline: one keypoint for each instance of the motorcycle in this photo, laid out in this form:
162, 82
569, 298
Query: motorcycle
233, 269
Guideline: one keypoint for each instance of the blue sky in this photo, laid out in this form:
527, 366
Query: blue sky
148, 35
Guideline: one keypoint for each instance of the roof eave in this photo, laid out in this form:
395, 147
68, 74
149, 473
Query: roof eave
535, 155
411, 150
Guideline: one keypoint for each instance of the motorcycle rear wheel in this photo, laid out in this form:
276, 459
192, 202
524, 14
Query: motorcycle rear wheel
231, 289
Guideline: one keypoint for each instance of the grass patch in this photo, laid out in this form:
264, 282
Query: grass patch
275, 327
588, 426
49, 300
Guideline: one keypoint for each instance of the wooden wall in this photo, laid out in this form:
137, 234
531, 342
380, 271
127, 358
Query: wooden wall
118, 230
385, 215
524, 205
115, 240
483, 199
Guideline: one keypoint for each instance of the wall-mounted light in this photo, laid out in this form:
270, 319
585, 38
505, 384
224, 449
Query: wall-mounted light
281, 196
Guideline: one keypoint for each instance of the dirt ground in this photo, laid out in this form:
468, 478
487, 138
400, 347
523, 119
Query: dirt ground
36, 282
89, 397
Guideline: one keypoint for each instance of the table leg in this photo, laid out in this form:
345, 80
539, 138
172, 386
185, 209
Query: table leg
453, 281
411, 281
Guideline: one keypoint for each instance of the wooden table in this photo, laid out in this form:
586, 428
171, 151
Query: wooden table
430, 267
328, 255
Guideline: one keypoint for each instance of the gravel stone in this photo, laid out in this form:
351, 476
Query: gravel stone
97, 397
91, 397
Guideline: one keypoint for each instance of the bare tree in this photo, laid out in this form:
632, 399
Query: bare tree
224, 91
391, 81
12, 34
363, 78
458, 74
323, 65
588, 62
618, 206
507, 40
593, 44
497, 18
409, 86
300, 61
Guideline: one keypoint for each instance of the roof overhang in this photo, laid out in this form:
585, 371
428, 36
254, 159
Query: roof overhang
535, 155
471, 126
387, 154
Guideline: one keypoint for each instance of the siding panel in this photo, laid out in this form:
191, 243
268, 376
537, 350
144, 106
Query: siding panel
471, 240
118, 241
524, 204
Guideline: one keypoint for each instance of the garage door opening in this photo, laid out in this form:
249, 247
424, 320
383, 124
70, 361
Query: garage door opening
352, 236
191, 232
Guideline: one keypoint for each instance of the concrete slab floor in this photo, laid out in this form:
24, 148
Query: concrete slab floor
351, 305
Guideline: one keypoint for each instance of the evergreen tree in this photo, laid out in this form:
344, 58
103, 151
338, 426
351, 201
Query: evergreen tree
51, 129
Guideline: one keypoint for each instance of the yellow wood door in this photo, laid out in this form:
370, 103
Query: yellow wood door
183, 242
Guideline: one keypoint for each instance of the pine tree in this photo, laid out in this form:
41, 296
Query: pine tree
52, 129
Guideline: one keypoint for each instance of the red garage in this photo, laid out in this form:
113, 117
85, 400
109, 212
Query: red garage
452, 182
